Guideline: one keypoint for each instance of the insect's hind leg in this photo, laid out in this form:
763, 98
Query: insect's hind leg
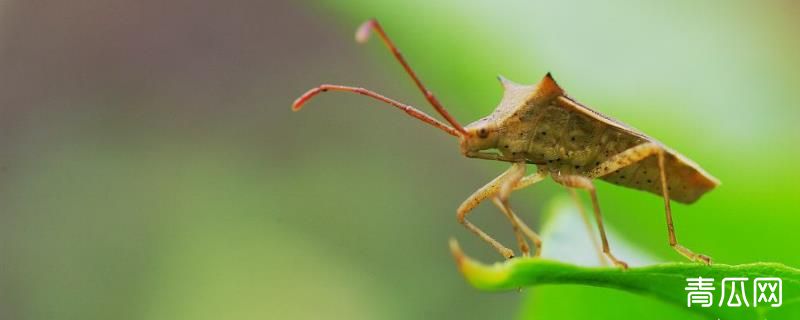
577, 181
673, 241
639, 153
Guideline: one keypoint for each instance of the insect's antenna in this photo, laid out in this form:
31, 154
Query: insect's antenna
408, 109
362, 35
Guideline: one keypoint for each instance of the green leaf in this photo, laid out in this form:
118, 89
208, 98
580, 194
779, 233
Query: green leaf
665, 281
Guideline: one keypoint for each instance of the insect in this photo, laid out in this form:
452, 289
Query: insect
574, 145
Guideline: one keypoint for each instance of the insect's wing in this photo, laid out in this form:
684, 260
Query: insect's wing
685, 179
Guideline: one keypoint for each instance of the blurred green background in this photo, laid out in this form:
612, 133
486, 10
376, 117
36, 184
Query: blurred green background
150, 167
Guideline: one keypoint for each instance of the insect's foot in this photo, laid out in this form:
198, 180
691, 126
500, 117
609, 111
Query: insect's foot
619, 263
703, 258
507, 253
691, 255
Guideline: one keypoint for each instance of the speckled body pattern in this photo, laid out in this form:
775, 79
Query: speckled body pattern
540, 124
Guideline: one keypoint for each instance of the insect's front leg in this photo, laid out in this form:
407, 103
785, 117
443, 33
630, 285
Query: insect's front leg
581, 182
501, 201
491, 189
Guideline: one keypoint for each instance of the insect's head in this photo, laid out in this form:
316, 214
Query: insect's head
481, 135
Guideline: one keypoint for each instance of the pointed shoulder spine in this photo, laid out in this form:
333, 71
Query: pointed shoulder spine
548, 86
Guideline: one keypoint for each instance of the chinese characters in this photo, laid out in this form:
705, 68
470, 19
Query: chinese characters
735, 292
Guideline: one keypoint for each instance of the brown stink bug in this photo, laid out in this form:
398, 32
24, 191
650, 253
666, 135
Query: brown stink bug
539, 124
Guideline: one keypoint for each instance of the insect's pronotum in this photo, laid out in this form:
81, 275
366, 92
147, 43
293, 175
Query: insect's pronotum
539, 124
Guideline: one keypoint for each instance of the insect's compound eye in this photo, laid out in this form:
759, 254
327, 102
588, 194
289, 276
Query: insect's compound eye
483, 133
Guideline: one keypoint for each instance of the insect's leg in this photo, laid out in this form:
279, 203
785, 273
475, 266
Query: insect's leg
576, 181
362, 34
673, 241
530, 179
491, 189
516, 226
588, 224
639, 153
501, 201
488, 190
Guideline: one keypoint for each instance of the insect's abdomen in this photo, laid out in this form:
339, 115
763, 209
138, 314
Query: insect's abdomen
685, 182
